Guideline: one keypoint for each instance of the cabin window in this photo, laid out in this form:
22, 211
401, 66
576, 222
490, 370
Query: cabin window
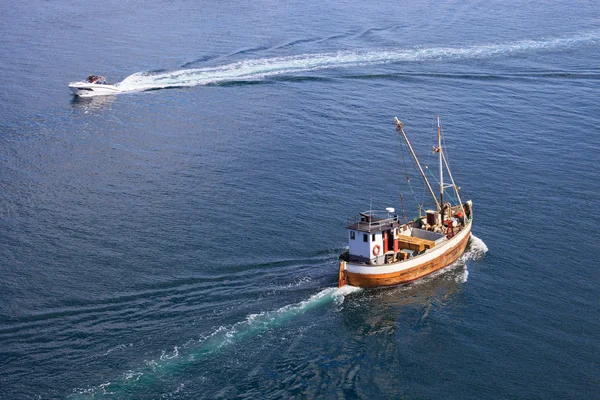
352, 235
365, 237
373, 237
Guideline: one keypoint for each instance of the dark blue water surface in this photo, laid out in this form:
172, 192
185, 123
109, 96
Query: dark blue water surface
180, 240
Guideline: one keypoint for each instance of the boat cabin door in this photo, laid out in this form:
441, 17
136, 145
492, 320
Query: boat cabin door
390, 242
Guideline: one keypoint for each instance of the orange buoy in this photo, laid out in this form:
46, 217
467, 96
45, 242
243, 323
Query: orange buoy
376, 250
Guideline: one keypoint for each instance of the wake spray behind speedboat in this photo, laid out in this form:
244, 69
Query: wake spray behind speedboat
93, 86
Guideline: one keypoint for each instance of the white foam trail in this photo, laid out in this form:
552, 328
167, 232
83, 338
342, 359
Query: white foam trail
257, 323
132, 374
476, 251
266, 67
270, 319
221, 337
462, 278
118, 347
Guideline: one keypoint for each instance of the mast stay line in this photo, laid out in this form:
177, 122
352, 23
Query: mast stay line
399, 128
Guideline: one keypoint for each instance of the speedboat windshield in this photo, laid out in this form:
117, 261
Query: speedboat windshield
101, 80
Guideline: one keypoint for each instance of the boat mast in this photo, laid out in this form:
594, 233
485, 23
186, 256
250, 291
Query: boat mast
454, 185
399, 127
439, 150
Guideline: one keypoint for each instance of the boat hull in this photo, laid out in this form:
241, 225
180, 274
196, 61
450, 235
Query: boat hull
361, 275
85, 89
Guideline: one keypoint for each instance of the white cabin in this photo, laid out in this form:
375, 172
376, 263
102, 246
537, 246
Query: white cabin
371, 237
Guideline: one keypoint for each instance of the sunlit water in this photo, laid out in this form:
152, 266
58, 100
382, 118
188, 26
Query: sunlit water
180, 240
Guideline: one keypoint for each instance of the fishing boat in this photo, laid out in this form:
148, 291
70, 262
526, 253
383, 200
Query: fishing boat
385, 249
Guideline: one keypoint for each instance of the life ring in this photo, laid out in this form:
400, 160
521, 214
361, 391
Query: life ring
376, 250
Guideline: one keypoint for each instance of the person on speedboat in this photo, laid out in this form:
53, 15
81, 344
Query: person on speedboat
99, 80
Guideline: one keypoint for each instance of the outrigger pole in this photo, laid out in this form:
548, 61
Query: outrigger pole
399, 128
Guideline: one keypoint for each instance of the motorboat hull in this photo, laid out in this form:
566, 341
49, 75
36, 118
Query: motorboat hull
364, 275
85, 89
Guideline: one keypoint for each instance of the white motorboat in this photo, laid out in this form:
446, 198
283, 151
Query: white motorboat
93, 86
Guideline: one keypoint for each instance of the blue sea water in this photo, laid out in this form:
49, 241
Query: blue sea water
180, 240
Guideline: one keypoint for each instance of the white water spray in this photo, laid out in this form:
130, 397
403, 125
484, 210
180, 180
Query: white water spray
220, 338
257, 69
476, 251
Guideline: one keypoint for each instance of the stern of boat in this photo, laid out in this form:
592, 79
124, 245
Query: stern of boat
342, 278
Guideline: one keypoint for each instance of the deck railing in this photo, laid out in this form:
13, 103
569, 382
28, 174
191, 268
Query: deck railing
372, 220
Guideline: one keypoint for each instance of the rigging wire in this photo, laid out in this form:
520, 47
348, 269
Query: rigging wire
446, 193
419, 203
456, 170
450, 195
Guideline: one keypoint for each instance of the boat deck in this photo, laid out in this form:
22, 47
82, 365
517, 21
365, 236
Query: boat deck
414, 243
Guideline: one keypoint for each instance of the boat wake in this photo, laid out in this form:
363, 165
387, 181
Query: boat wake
475, 251
262, 68
194, 350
